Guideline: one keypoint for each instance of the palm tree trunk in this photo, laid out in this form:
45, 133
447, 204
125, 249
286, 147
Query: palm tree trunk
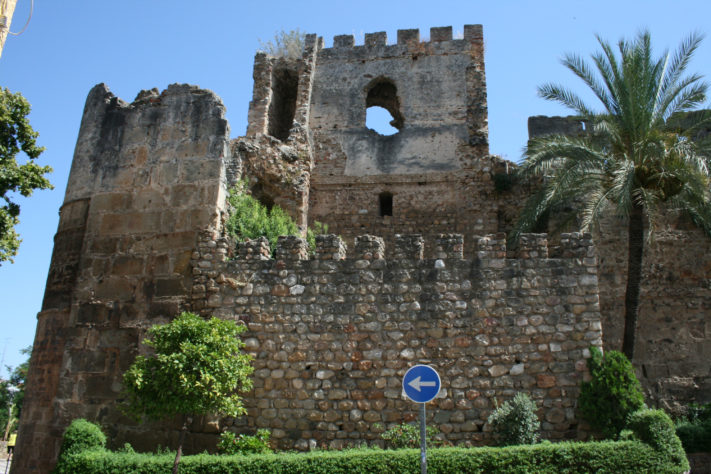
181, 440
635, 234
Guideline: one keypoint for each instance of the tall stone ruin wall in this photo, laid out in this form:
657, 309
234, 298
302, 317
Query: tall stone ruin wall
146, 178
333, 336
436, 169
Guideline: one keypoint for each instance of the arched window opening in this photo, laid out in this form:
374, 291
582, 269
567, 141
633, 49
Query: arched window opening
382, 94
285, 84
379, 119
386, 204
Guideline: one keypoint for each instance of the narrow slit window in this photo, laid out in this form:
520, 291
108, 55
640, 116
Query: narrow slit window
285, 85
386, 204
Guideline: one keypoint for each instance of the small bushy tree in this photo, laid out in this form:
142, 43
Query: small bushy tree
285, 44
516, 422
81, 435
197, 368
12, 394
612, 394
250, 219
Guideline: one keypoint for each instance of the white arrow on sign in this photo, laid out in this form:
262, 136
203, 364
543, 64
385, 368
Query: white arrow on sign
416, 383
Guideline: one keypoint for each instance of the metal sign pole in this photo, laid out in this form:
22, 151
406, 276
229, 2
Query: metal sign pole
421, 384
423, 440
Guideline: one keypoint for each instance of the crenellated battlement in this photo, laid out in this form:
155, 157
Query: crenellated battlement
412, 247
408, 41
341, 329
409, 37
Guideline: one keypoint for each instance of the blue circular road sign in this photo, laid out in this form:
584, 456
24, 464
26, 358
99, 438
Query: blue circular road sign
421, 383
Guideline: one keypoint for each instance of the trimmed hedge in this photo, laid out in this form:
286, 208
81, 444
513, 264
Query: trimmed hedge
656, 429
570, 457
82, 435
655, 448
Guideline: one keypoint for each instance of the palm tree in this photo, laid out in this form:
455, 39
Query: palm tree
634, 159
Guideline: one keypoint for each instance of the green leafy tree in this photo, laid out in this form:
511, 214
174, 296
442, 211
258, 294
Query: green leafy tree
16, 135
197, 368
6, 423
612, 394
18, 378
636, 159
12, 393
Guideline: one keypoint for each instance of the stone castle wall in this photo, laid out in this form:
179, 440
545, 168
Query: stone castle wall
139, 240
437, 91
146, 178
673, 329
332, 337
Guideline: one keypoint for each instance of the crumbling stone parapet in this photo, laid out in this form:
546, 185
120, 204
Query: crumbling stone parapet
330, 247
409, 247
290, 248
449, 246
370, 247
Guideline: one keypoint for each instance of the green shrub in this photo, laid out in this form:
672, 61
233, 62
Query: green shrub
516, 421
126, 448
608, 456
250, 219
695, 436
311, 233
655, 428
695, 429
696, 412
231, 443
613, 393
82, 435
285, 44
407, 435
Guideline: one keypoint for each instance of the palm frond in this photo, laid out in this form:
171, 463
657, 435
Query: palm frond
576, 64
596, 203
689, 94
679, 63
564, 97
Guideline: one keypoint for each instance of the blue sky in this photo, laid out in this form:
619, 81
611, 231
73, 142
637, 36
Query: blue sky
71, 45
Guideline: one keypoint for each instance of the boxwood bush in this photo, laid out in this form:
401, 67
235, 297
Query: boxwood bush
656, 429
82, 435
613, 393
516, 421
606, 456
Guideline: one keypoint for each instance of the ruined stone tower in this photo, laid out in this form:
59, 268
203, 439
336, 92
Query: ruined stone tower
416, 269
